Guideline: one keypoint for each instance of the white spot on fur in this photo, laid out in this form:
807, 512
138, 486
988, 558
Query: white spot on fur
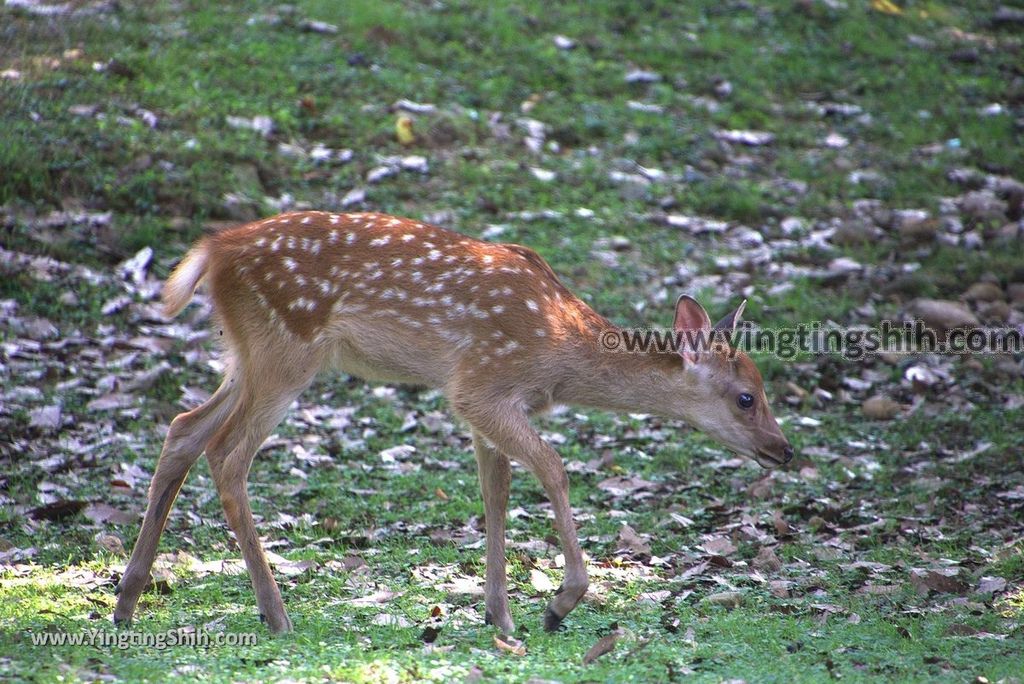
540, 332
411, 322
350, 238
488, 259
532, 305
290, 263
302, 303
306, 220
381, 241
407, 237
260, 242
507, 348
497, 309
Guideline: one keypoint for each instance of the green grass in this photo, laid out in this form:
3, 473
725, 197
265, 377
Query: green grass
193, 64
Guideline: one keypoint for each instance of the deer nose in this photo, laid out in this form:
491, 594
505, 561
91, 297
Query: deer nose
787, 454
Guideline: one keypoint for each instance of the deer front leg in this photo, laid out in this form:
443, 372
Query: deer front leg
510, 430
495, 476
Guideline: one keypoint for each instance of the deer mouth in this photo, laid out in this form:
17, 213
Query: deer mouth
767, 460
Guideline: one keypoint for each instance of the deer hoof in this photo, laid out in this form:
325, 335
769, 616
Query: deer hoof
552, 621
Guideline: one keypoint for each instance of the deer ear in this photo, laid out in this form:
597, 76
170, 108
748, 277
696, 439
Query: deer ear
728, 324
691, 325
690, 315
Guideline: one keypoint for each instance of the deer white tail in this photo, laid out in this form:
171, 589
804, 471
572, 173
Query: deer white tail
180, 287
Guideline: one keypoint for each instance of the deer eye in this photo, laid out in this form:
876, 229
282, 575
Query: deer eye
745, 401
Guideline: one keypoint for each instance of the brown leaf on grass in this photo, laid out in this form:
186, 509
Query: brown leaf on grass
101, 513
602, 646
881, 408
510, 645
111, 543
57, 510
726, 599
694, 570
629, 539
289, 567
353, 563
622, 486
377, 597
719, 546
130, 476
943, 581
781, 526
761, 489
767, 560
430, 633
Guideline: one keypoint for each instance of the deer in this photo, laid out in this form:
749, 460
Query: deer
396, 300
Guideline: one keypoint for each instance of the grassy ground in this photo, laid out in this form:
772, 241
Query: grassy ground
126, 111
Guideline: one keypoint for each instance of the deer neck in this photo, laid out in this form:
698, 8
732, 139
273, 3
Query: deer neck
615, 380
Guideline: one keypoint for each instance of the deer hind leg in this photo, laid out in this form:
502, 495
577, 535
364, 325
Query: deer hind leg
186, 439
495, 476
509, 429
264, 401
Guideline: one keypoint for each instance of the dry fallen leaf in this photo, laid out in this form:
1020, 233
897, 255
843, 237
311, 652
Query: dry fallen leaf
719, 546
726, 599
602, 646
541, 583
103, 513
886, 7
57, 510
767, 560
629, 539
881, 408
942, 581
510, 645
